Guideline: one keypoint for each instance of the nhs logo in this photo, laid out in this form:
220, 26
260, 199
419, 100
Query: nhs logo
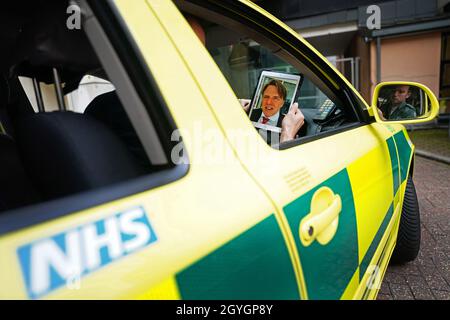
50, 263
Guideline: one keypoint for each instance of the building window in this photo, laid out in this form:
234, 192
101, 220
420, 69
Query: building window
444, 98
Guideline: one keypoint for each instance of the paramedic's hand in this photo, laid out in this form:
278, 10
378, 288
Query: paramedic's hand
245, 103
292, 122
380, 114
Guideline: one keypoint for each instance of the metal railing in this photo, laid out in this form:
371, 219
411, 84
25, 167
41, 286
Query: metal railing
340, 64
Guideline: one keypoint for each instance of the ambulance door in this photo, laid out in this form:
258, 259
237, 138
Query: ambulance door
334, 187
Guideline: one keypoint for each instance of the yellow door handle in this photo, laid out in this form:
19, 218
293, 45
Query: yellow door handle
322, 221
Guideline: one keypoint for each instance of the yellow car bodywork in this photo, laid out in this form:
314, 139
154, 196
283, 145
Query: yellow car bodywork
231, 229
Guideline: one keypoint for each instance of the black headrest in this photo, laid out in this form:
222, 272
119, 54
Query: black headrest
16, 189
45, 42
66, 152
13, 102
108, 109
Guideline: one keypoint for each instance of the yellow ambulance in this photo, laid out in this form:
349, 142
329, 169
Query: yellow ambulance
130, 169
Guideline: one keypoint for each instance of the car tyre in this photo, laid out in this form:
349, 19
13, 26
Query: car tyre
408, 238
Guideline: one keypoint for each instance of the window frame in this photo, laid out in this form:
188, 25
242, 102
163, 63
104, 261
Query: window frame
257, 23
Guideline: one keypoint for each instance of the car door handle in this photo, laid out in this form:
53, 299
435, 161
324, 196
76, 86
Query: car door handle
322, 221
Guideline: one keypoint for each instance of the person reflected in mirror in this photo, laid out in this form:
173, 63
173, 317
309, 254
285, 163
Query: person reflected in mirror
397, 107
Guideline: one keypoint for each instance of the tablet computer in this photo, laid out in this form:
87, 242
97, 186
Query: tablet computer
273, 97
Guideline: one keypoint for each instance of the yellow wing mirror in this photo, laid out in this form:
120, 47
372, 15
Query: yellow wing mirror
404, 102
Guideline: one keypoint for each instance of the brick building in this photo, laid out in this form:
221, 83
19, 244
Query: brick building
412, 43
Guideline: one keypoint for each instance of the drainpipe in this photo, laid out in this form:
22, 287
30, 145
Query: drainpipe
378, 60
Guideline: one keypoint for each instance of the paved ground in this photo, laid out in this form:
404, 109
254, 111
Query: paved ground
432, 140
428, 277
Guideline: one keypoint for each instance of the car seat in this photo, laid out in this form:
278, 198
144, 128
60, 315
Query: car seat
66, 152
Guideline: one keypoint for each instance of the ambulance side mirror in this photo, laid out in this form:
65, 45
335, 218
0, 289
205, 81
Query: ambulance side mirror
404, 102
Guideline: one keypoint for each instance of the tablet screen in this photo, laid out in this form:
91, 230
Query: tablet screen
274, 95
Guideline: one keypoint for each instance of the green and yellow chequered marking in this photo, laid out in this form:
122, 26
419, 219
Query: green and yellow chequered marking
336, 270
375, 243
166, 290
254, 265
400, 152
404, 154
371, 181
394, 163
372, 225
329, 268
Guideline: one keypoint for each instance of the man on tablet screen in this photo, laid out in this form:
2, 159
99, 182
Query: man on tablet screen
290, 123
272, 99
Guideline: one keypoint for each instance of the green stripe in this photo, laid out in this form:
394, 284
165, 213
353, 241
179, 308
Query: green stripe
254, 265
367, 290
394, 163
328, 268
404, 151
375, 242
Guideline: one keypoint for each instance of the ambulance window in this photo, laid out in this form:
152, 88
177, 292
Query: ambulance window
75, 129
78, 100
243, 54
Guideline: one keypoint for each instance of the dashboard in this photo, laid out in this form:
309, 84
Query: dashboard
327, 117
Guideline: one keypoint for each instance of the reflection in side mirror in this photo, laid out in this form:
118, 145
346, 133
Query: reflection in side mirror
405, 102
